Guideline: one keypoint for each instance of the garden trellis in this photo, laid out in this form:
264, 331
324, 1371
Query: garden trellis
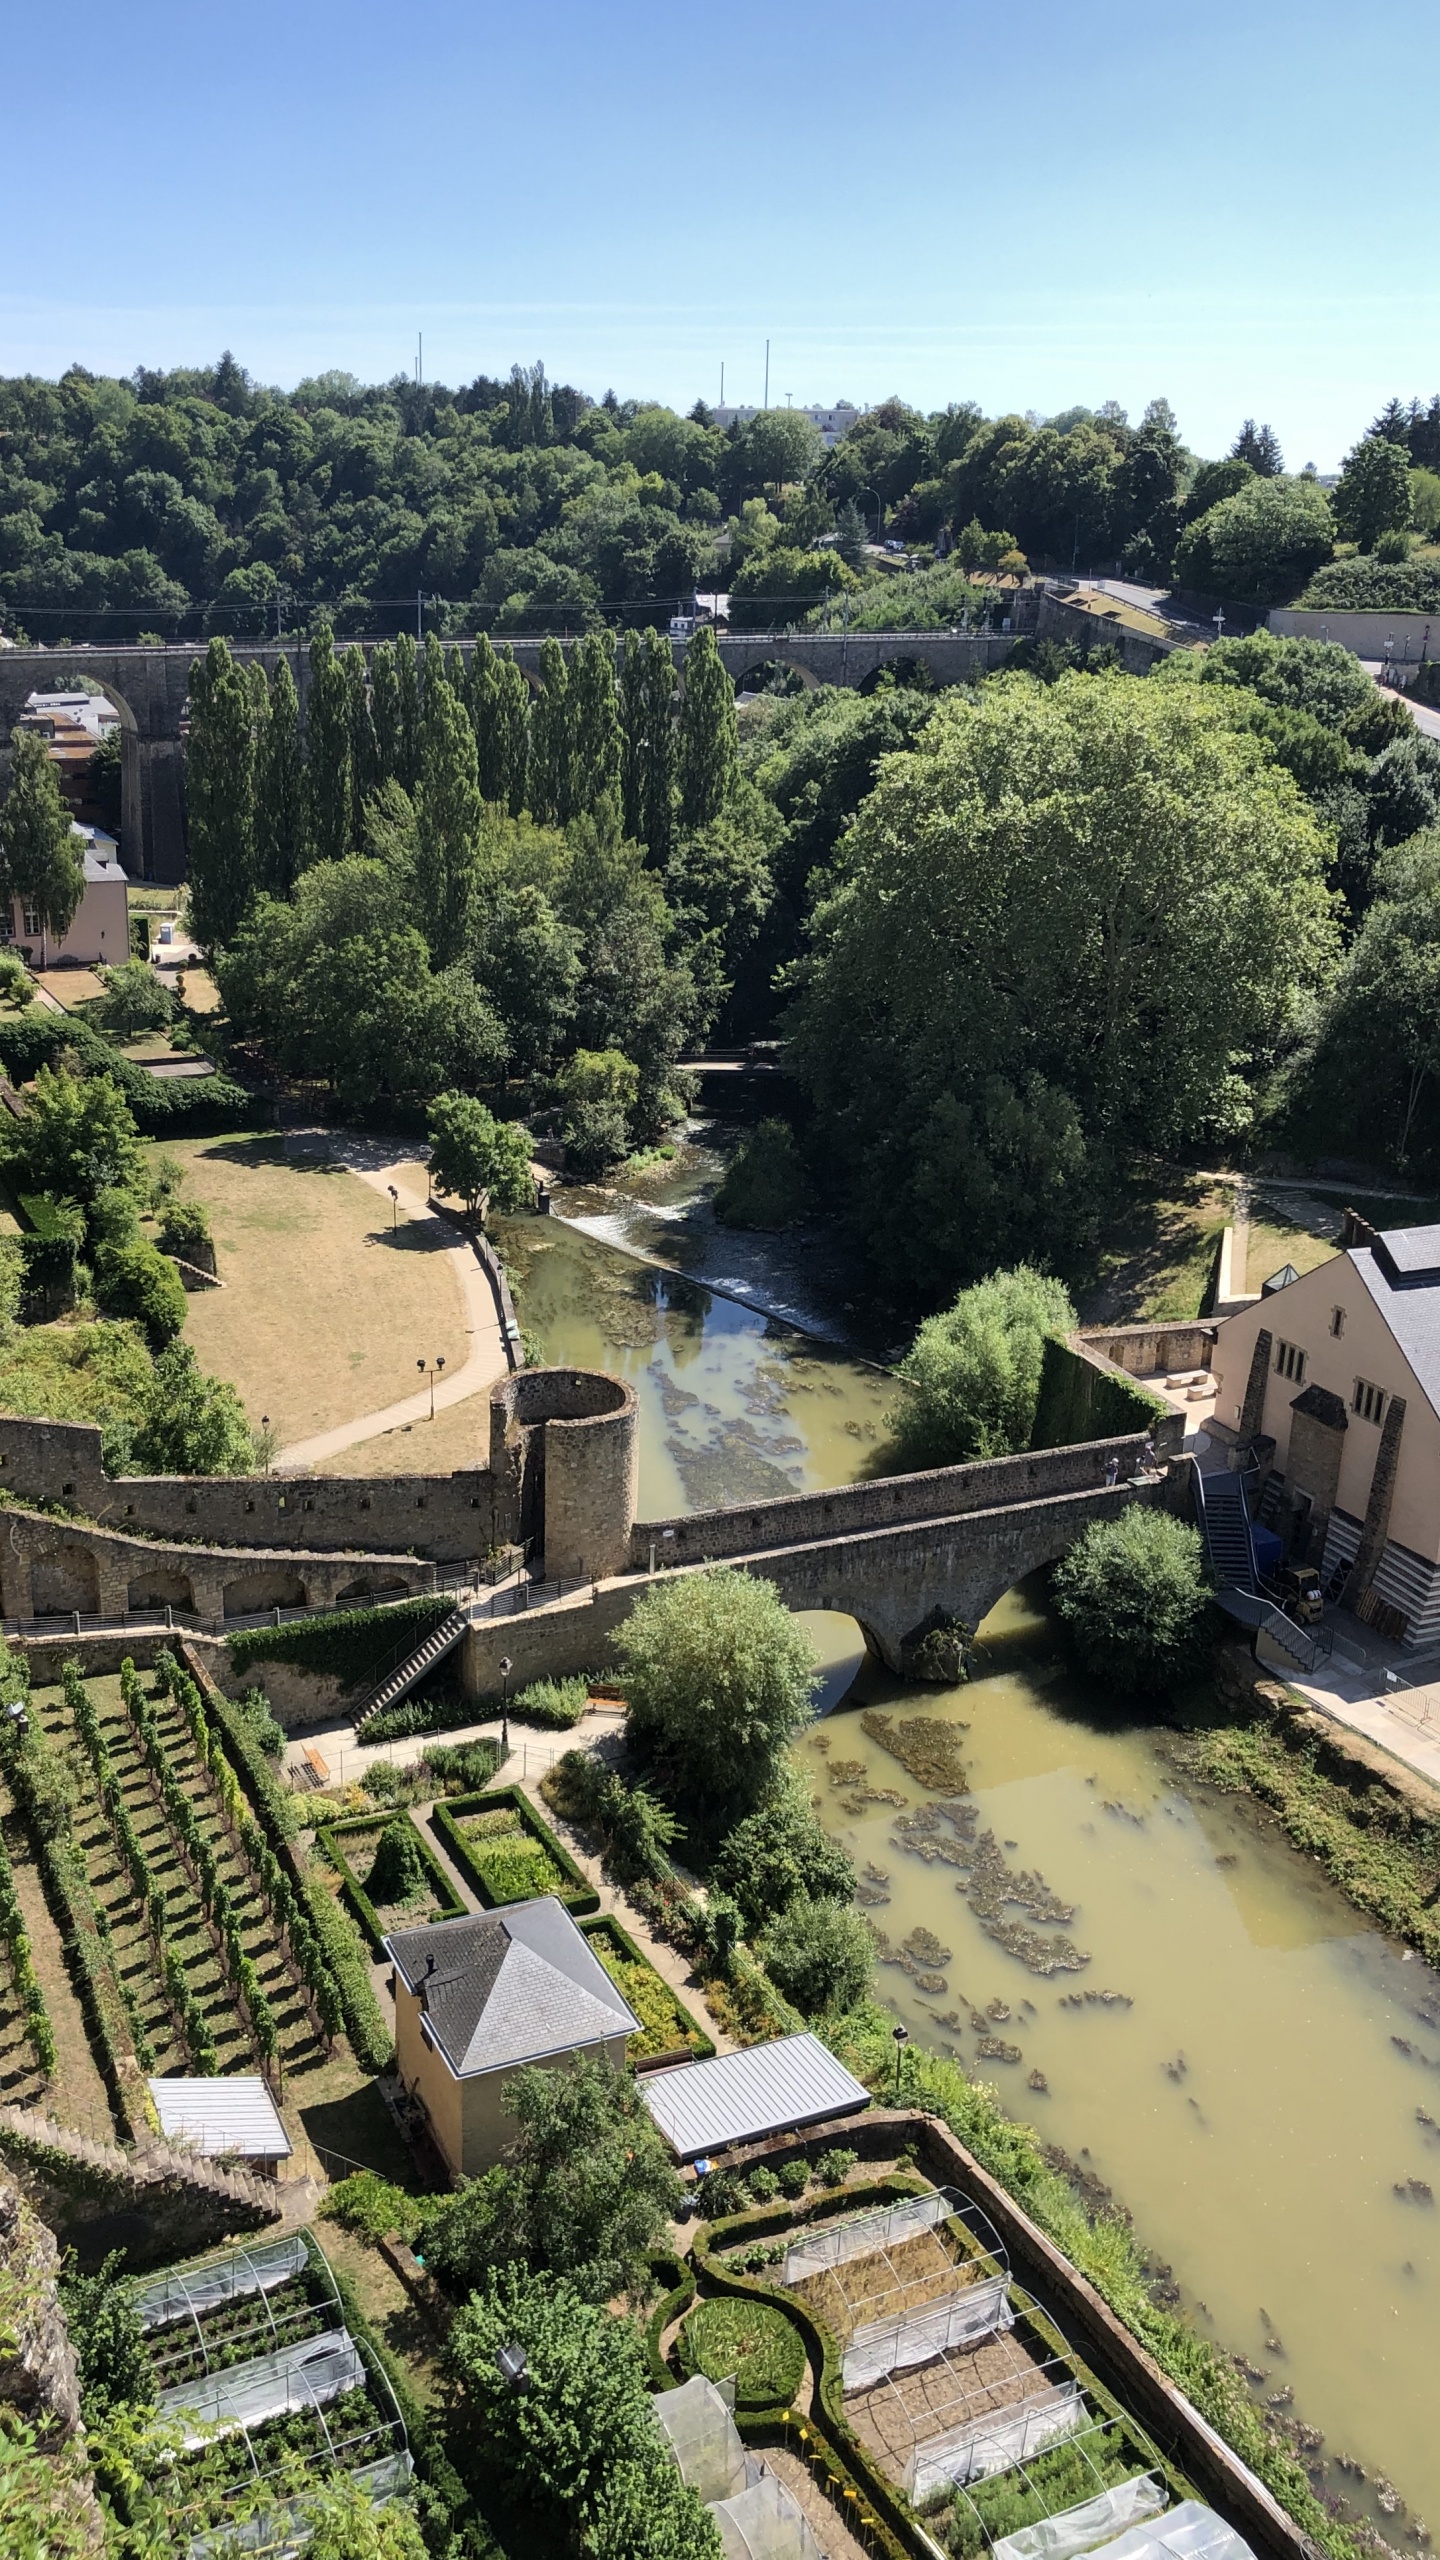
764, 2523
891, 2301
703, 2438
1085, 2527
284, 2529
186, 2298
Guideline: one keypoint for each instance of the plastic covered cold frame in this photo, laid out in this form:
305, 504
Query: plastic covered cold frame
704, 2443
764, 2523
299, 2377
995, 2442
959, 2319
198, 2290
1188, 2532
871, 2232
283, 2530
1085, 2528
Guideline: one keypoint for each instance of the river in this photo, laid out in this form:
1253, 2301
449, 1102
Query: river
1261, 2089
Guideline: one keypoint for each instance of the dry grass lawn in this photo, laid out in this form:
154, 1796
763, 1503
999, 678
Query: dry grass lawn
324, 1312
1275, 1241
201, 993
458, 1437
70, 986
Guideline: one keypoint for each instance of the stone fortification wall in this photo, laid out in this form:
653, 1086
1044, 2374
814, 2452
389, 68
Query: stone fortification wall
1145, 1350
53, 1567
449, 1519
939, 1493
564, 1461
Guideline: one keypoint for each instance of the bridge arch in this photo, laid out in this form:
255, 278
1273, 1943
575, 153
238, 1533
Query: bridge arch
761, 677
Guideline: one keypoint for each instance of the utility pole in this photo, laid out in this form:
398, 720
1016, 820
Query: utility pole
419, 617
722, 382
767, 373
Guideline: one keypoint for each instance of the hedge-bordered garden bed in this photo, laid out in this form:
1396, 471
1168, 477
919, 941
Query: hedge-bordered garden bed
552, 1869
687, 2040
329, 1838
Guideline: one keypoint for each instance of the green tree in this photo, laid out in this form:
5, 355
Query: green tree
576, 2453
765, 1183
999, 973
366, 772
508, 767
594, 723
482, 700
584, 2192
385, 712
220, 796
135, 1279
478, 1157
106, 2335
780, 446
708, 738
599, 1090
193, 1425
780, 1855
1375, 494
1378, 1069
76, 1140
529, 962
551, 744
449, 811
329, 803
1133, 1598
135, 1000
820, 1955
280, 789
647, 700
719, 1680
407, 686
1261, 545
1259, 449
971, 1377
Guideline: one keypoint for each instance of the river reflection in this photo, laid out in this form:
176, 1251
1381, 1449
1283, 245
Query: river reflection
733, 1406
1253, 2071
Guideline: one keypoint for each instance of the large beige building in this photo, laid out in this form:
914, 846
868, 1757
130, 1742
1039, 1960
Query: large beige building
476, 1998
1340, 1370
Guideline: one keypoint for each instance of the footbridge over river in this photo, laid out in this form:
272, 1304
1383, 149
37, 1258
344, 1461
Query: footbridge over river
910, 1558
150, 687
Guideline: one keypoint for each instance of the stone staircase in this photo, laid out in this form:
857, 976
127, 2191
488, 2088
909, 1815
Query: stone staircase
398, 1683
152, 2164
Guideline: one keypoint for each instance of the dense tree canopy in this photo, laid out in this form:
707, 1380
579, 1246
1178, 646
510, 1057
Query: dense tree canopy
970, 1382
1002, 995
40, 859
718, 1680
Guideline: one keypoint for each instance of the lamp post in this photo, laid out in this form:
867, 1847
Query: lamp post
394, 1206
265, 1428
514, 2366
431, 1372
1219, 621
902, 2038
506, 1667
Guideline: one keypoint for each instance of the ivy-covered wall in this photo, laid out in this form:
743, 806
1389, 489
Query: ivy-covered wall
1081, 1400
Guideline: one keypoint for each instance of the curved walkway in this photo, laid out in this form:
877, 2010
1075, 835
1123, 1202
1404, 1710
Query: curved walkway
487, 1361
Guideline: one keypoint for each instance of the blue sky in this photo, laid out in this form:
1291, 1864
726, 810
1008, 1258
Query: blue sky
1026, 204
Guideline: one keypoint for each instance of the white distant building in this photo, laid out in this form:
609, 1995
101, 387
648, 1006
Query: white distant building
99, 931
832, 423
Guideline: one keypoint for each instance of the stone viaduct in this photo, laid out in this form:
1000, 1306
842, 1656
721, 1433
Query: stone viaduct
149, 688
903, 1556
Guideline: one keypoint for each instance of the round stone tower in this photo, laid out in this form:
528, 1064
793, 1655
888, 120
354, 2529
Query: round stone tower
565, 1456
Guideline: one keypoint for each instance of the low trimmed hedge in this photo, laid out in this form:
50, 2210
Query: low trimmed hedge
577, 1893
354, 1645
694, 2045
328, 1839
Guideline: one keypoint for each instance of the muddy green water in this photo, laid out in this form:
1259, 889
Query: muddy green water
734, 1407
1269, 2077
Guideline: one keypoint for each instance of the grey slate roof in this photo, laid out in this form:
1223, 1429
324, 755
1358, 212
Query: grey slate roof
499, 1988
1402, 1275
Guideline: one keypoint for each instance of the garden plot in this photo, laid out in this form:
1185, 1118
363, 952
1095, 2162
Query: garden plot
174, 1966
514, 1864
966, 2414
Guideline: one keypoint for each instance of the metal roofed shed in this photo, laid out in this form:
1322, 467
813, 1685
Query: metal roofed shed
223, 2118
739, 2097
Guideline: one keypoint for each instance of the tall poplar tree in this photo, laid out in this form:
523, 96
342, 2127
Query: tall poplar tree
385, 711
450, 811
407, 677
280, 789
647, 696
594, 723
551, 796
365, 773
512, 736
482, 695
220, 795
709, 740
39, 849
328, 794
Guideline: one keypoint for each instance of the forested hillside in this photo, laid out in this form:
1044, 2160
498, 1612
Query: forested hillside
195, 500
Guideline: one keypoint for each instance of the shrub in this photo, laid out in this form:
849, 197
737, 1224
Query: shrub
820, 1955
134, 1000
719, 2193
719, 1680
1133, 1597
185, 1230
794, 2177
367, 2203
834, 2167
397, 1870
135, 1280
754, 2341
971, 1378
558, 1703
763, 2184
255, 1708
461, 1768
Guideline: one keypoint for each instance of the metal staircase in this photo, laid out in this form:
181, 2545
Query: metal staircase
1223, 1509
398, 1683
